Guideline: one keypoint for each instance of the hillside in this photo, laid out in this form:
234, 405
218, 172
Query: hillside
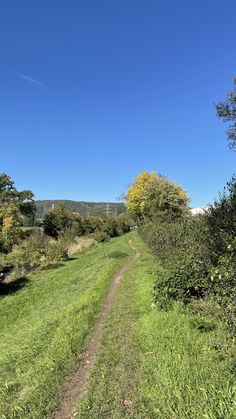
84, 208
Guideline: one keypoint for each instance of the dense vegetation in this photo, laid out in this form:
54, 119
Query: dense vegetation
24, 248
198, 252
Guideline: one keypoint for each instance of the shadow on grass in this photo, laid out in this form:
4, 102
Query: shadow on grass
53, 266
117, 255
71, 258
13, 287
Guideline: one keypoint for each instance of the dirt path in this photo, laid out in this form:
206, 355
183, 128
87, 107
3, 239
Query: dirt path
75, 385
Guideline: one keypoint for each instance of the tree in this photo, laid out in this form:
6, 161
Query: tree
10, 196
164, 197
56, 220
136, 194
153, 195
227, 112
14, 205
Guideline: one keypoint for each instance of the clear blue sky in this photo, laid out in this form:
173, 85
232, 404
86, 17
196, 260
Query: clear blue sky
93, 92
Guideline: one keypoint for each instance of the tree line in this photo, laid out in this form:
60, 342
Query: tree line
47, 241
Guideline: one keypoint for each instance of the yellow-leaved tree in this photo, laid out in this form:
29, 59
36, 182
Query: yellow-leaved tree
135, 199
152, 195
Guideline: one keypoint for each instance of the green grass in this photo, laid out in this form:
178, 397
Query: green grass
156, 364
44, 323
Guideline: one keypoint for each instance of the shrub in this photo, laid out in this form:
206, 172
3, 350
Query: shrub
110, 227
186, 280
38, 250
221, 221
174, 240
101, 236
223, 279
57, 252
56, 220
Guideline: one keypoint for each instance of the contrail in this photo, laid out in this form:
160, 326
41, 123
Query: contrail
25, 77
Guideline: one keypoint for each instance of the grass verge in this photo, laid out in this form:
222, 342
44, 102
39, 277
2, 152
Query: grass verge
156, 364
44, 322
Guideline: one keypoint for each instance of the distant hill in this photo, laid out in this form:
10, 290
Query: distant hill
84, 208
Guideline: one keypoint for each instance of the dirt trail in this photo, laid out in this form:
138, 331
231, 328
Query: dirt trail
75, 385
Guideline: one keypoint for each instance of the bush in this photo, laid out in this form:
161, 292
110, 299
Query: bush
223, 279
199, 257
56, 220
101, 236
178, 239
38, 251
57, 252
186, 280
221, 221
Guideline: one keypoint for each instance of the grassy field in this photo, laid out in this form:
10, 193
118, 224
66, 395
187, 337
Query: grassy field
44, 322
156, 364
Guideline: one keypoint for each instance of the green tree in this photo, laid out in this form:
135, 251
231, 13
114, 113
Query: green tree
164, 197
14, 205
56, 220
227, 112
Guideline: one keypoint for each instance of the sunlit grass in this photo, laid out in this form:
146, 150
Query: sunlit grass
156, 364
44, 325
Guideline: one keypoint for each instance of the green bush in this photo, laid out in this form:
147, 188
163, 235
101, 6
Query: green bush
221, 221
178, 239
56, 220
199, 257
223, 278
38, 251
187, 279
101, 236
57, 252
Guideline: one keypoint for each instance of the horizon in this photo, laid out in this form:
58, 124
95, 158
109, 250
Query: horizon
93, 94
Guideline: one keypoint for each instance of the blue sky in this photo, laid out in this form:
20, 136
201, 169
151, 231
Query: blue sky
94, 92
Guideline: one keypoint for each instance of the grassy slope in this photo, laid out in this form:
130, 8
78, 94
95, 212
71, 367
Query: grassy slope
44, 325
156, 364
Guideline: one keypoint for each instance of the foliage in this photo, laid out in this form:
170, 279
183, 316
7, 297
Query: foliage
101, 236
9, 195
38, 250
198, 254
59, 222
177, 239
227, 112
152, 196
14, 205
223, 279
56, 220
162, 197
92, 224
221, 221
135, 196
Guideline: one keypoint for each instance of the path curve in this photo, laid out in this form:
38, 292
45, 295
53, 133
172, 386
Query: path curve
75, 385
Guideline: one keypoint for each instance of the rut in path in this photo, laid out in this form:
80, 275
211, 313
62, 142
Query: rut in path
75, 385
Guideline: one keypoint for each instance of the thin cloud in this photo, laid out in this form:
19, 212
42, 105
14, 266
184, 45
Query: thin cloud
25, 77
